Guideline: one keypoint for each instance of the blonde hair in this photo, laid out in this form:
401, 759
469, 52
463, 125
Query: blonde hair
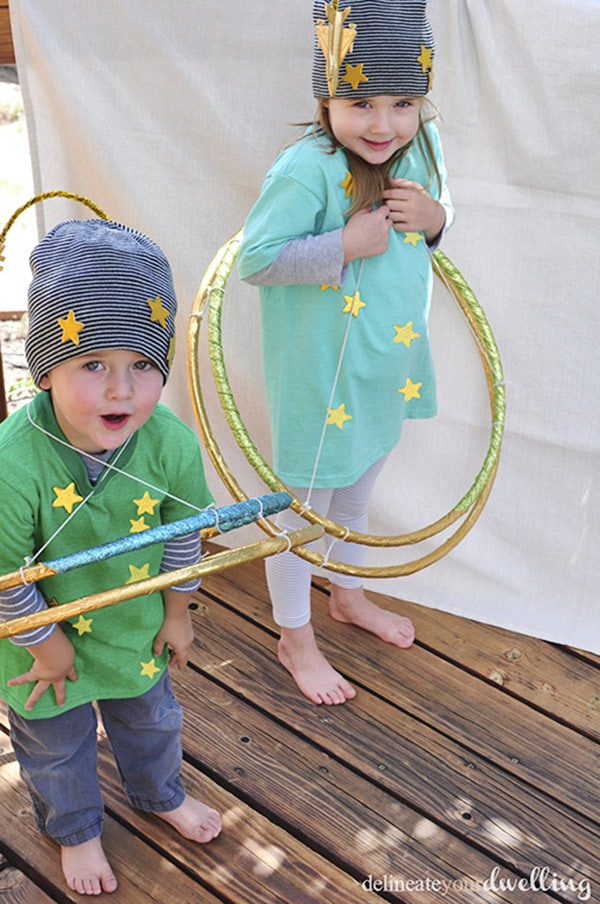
368, 180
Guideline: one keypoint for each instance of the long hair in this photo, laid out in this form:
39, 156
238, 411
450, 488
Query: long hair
370, 180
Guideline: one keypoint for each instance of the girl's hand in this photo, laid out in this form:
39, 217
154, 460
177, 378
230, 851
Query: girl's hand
366, 234
412, 209
177, 633
52, 666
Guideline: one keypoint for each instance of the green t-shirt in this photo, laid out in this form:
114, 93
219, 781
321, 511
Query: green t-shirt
41, 484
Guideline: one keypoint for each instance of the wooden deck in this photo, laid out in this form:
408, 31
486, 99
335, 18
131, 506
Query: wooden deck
465, 770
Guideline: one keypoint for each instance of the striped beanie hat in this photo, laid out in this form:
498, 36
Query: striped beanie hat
365, 48
96, 285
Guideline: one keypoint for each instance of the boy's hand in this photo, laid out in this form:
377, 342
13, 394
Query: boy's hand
177, 633
412, 209
366, 234
52, 666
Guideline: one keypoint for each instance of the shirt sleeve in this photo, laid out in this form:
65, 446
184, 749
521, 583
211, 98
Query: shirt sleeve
24, 600
313, 260
180, 552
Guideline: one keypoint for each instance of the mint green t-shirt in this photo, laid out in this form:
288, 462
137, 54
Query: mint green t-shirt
41, 485
386, 373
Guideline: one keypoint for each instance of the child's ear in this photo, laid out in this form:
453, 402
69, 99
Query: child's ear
45, 382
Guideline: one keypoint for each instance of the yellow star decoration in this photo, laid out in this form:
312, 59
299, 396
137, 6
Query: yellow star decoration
71, 328
138, 574
354, 75
410, 390
66, 498
171, 351
405, 334
353, 304
338, 416
159, 312
138, 525
411, 238
83, 625
347, 184
325, 286
425, 58
149, 668
146, 504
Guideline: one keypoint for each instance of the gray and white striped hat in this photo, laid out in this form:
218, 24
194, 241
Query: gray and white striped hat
98, 284
365, 48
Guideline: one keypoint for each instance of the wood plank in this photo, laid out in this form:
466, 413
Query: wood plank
7, 50
252, 860
548, 676
17, 888
478, 715
316, 797
427, 771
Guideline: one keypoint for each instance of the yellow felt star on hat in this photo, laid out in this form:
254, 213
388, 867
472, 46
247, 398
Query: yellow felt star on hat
66, 497
424, 58
71, 328
159, 312
338, 416
354, 75
410, 390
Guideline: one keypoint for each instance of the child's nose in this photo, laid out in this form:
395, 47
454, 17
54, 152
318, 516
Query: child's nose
119, 385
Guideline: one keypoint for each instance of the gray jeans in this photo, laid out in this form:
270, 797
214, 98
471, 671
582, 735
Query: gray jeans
58, 758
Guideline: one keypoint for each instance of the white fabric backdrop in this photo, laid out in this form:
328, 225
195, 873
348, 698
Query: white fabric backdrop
167, 116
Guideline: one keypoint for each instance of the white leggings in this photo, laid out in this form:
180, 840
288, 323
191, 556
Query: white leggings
289, 576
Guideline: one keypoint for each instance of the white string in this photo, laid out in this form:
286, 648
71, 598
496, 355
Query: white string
331, 545
107, 467
333, 389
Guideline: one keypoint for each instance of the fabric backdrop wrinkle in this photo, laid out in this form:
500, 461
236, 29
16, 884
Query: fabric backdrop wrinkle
168, 118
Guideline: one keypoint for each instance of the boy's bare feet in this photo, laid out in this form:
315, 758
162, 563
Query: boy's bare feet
353, 607
194, 820
86, 869
317, 679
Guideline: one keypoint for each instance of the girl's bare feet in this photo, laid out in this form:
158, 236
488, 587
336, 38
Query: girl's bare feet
353, 607
194, 820
317, 679
86, 868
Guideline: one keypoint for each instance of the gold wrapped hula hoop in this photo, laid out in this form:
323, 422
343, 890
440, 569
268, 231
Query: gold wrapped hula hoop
209, 299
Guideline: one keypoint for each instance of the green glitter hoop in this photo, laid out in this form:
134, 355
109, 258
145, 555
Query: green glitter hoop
209, 301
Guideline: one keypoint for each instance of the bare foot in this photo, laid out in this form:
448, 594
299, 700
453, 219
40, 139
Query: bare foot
86, 869
317, 679
194, 820
353, 607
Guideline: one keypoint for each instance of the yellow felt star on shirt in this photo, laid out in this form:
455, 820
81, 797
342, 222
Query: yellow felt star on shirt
425, 58
354, 75
83, 625
71, 328
325, 286
338, 416
405, 334
66, 498
138, 574
146, 504
411, 238
353, 304
410, 390
149, 668
159, 312
347, 184
138, 525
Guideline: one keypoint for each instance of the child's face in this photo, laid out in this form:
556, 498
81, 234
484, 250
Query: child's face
374, 128
100, 399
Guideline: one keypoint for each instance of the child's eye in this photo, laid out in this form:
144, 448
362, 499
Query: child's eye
92, 365
143, 365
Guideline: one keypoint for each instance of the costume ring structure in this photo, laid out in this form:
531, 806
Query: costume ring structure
208, 305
